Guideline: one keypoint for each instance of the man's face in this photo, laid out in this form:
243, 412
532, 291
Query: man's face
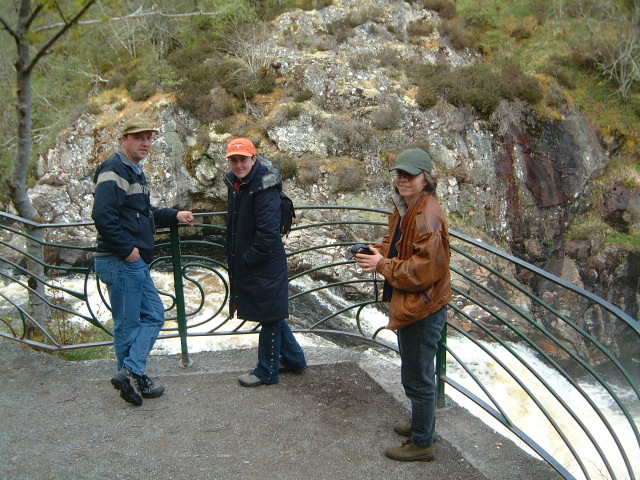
241, 165
137, 145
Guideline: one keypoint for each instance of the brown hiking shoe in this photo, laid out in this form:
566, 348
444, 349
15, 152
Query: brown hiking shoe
410, 452
402, 428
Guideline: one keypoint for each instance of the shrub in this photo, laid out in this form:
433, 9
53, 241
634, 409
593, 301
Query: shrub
308, 175
519, 85
480, 15
270, 9
288, 166
389, 115
303, 96
521, 32
142, 90
345, 135
445, 8
454, 31
266, 83
93, 108
391, 57
426, 98
420, 28
478, 86
349, 178
115, 81
563, 76
362, 60
340, 30
293, 112
149, 77
207, 105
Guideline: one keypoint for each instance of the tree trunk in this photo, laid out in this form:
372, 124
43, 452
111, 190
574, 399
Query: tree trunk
18, 182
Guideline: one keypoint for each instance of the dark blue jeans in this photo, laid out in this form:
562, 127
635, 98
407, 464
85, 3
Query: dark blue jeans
138, 311
418, 344
277, 345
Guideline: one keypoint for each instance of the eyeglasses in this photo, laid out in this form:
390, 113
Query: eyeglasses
403, 174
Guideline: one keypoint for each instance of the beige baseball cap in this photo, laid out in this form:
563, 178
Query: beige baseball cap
137, 124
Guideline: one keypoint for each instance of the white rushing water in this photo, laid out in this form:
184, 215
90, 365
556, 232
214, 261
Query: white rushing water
512, 398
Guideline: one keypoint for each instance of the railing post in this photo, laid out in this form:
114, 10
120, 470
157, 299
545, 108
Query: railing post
179, 291
441, 367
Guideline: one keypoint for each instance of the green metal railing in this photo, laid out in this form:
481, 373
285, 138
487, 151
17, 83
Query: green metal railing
546, 362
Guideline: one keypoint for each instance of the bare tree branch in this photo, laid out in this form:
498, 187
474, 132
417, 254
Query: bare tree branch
140, 13
65, 26
8, 28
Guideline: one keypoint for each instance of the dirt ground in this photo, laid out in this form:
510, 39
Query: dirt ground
63, 420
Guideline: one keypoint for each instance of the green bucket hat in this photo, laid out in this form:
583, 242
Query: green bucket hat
413, 161
137, 124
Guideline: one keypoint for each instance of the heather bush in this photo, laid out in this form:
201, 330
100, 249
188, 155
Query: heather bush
303, 96
478, 86
420, 28
347, 178
455, 33
308, 175
446, 8
389, 115
288, 166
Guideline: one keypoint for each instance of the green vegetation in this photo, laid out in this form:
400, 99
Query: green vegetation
68, 333
218, 66
626, 241
585, 229
479, 86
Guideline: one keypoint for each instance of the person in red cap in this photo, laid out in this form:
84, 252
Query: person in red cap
258, 273
414, 259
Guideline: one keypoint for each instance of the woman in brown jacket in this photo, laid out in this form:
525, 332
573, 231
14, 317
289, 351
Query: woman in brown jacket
414, 260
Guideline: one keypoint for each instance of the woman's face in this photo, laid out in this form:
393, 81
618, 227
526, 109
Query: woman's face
409, 186
241, 165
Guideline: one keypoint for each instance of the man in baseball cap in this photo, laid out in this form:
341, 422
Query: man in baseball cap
137, 125
126, 223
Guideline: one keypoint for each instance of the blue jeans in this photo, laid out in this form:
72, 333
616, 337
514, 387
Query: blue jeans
138, 311
418, 344
276, 345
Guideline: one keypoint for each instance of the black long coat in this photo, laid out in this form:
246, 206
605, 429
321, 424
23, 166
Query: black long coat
256, 257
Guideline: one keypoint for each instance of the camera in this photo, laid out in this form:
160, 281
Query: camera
360, 248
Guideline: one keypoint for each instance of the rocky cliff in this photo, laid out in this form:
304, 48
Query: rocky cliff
518, 179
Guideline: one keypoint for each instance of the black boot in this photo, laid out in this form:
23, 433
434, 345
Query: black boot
121, 382
147, 388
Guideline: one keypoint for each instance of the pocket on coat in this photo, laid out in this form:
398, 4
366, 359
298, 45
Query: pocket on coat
413, 303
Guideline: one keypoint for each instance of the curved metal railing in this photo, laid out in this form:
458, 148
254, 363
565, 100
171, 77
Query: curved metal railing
546, 362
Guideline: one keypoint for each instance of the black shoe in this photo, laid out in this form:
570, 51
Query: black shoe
121, 382
147, 388
298, 371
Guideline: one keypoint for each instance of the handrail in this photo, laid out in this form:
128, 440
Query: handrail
574, 383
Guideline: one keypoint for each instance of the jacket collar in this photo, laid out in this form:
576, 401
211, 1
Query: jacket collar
264, 174
128, 162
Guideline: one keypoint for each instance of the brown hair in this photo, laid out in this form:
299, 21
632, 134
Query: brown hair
432, 183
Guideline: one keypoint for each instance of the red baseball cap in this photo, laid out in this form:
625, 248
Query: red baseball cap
240, 146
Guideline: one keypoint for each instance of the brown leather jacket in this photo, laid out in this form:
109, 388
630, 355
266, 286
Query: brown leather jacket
419, 274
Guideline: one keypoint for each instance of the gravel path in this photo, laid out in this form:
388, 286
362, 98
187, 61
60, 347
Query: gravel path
63, 420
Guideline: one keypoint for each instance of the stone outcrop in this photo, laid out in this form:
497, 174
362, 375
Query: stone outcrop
516, 179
